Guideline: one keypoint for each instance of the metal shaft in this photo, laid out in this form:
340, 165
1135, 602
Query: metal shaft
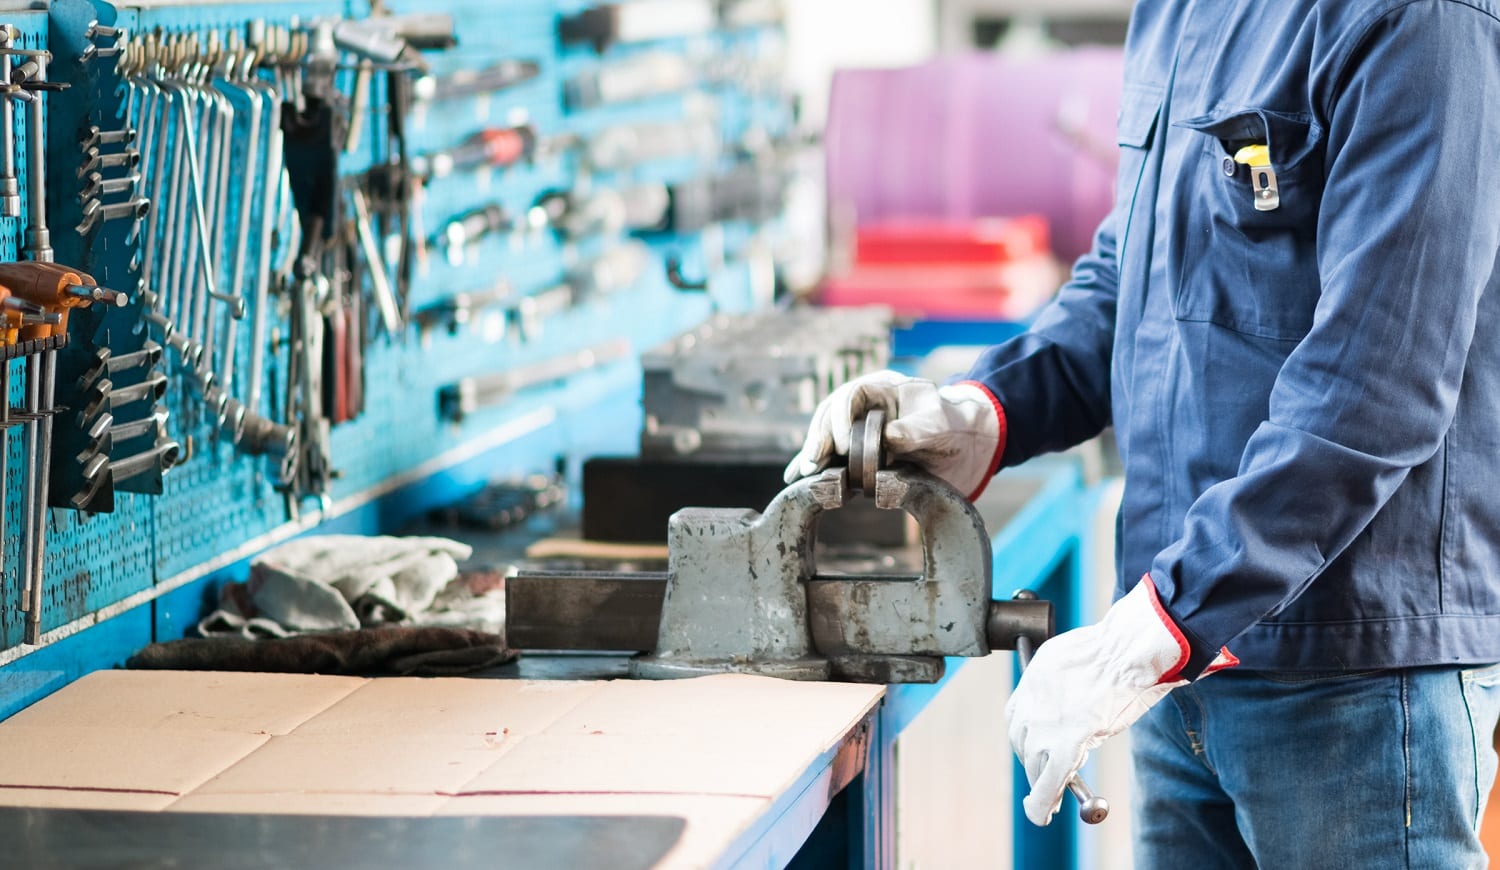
242, 234
39, 240
10, 199
271, 185
46, 366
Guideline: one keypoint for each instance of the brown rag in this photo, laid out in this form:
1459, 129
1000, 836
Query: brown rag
404, 650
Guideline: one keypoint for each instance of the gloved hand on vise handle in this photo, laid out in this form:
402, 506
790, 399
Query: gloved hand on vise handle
1086, 685
955, 432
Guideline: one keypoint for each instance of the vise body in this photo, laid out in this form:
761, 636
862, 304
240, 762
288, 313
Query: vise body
742, 592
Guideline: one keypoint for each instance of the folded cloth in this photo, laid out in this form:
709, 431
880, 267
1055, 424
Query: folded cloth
402, 650
344, 581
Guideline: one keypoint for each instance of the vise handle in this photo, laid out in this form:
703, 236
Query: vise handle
1092, 809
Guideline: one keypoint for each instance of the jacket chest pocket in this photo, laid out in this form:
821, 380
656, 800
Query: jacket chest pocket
1251, 200
1140, 107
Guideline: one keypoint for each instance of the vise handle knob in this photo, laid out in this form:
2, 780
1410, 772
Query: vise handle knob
1092, 809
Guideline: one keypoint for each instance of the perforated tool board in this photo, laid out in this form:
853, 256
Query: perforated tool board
219, 505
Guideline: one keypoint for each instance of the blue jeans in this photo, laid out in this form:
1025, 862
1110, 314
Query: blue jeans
1286, 771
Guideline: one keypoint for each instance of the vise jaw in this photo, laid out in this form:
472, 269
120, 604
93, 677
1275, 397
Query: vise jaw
742, 592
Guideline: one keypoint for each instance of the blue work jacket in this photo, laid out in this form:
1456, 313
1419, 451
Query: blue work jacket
1306, 397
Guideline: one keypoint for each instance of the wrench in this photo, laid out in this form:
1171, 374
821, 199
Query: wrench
94, 213
130, 158
99, 186
153, 387
156, 422
161, 457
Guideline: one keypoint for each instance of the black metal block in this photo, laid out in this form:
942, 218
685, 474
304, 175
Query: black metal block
629, 499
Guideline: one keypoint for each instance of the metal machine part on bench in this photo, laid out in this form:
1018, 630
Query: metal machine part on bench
748, 384
726, 405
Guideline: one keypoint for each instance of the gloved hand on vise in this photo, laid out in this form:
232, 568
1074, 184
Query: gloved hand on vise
1086, 685
955, 432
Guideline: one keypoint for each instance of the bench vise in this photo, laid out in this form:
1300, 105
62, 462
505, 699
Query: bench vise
742, 592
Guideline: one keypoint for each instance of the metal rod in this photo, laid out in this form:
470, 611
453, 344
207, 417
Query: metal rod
39, 240
38, 529
10, 196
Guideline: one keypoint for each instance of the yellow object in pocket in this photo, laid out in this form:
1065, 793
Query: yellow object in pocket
1267, 196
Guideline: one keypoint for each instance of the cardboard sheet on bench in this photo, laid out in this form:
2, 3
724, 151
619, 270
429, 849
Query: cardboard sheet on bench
716, 751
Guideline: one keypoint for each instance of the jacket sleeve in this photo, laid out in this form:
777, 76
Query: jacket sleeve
1055, 376
1408, 233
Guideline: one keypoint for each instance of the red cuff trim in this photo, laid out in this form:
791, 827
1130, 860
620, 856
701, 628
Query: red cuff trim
1229, 661
999, 444
1173, 673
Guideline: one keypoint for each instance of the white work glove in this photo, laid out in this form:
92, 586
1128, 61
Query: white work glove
1086, 685
953, 432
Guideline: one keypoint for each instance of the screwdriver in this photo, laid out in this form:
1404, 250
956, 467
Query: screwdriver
495, 147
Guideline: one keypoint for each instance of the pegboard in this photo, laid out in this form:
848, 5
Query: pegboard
219, 499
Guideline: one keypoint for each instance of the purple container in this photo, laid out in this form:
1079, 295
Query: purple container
979, 135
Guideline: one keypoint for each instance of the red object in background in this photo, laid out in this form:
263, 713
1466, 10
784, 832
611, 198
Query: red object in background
928, 240
980, 269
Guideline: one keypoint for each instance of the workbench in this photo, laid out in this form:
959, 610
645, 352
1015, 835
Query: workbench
745, 763
760, 772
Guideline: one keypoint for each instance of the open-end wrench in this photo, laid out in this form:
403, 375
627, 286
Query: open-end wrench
99, 137
195, 246
242, 232
156, 422
94, 479
274, 179
172, 242
148, 355
161, 458
95, 213
154, 129
201, 222
93, 160
98, 186
153, 388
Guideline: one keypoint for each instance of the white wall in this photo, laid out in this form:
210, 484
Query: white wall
825, 35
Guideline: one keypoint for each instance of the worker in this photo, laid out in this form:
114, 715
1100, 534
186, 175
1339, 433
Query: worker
1291, 318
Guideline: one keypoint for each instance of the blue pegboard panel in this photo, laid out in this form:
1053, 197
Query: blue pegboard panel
221, 502
33, 28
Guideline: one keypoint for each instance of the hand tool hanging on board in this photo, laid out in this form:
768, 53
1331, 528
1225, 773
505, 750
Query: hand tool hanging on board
492, 147
344, 342
637, 21
623, 146
637, 77
525, 316
475, 82
469, 395
465, 231
604, 211
58, 290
